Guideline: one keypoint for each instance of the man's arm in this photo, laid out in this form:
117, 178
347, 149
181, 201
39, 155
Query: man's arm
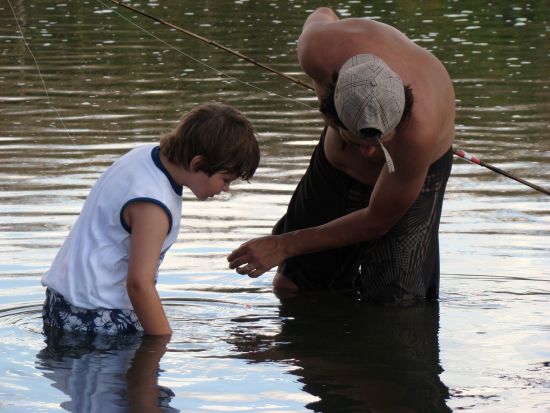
392, 196
320, 15
315, 44
149, 224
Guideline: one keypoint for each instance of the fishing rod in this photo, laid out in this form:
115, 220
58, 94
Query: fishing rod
215, 44
474, 159
458, 152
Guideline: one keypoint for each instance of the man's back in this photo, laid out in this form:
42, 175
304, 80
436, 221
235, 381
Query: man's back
326, 44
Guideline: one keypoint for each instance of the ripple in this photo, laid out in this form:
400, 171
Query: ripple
26, 316
199, 324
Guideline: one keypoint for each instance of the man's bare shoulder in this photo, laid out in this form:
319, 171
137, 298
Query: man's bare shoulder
424, 139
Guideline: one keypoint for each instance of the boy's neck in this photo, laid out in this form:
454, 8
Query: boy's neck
179, 174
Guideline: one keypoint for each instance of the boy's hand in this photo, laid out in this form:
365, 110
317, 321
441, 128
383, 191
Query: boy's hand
258, 255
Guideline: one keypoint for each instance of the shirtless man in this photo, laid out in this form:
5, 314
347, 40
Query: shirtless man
366, 213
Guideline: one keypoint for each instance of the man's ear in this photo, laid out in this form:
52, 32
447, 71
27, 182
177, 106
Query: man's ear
196, 163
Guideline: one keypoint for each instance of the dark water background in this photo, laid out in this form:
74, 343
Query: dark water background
115, 80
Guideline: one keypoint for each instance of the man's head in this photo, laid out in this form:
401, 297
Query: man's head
328, 108
369, 96
220, 134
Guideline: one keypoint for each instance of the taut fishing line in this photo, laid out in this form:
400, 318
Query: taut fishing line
202, 63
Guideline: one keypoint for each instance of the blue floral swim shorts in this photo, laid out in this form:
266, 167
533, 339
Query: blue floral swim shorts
60, 314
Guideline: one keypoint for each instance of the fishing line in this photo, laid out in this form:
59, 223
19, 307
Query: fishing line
215, 44
199, 61
458, 152
50, 104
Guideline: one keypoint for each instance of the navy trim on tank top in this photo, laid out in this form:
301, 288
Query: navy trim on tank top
145, 199
155, 154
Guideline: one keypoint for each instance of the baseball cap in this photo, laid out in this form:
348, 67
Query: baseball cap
369, 95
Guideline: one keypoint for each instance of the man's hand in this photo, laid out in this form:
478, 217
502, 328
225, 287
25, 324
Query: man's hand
258, 255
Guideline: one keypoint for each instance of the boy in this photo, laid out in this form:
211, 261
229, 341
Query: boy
103, 278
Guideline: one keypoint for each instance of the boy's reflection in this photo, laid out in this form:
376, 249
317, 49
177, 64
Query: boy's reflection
356, 357
104, 374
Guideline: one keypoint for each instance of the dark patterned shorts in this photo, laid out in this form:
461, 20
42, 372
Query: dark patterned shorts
59, 314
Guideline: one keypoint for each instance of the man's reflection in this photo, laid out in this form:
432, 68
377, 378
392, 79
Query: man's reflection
104, 374
356, 357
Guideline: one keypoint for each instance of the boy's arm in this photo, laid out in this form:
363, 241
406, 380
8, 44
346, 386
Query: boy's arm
149, 224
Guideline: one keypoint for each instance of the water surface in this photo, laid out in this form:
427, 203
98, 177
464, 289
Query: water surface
115, 80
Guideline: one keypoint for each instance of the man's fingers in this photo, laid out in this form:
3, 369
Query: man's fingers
255, 273
238, 261
241, 261
243, 269
234, 254
249, 270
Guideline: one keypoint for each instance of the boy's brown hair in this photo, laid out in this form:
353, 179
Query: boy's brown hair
218, 132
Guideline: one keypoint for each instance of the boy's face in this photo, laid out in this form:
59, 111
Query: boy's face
205, 186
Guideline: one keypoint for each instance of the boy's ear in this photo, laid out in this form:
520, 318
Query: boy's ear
196, 163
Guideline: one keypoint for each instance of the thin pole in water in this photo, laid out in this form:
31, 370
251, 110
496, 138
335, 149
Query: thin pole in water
458, 152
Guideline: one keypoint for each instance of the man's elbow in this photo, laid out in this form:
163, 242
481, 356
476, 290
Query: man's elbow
377, 230
375, 226
325, 10
320, 15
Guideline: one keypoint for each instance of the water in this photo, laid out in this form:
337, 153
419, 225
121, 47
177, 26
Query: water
236, 346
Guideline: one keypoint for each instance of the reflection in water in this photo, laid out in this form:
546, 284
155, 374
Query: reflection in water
356, 357
105, 374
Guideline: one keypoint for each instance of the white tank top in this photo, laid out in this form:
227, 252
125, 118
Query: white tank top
91, 267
